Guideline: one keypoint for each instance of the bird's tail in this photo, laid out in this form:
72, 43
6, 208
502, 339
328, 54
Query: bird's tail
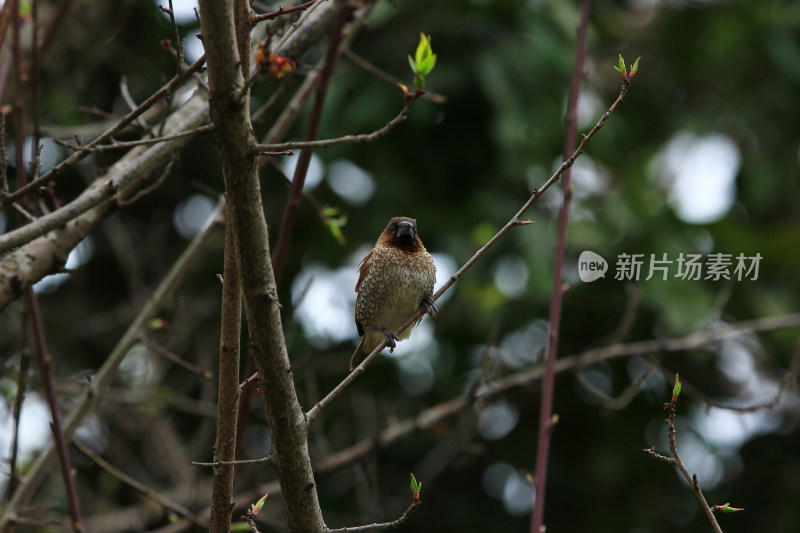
359, 355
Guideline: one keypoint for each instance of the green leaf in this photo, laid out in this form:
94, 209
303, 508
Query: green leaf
423, 62
729, 509
336, 231
260, 503
621, 64
415, 486
423, 48
635, 66
676, 390
427, 65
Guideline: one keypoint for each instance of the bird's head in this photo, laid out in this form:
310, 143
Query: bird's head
402, 233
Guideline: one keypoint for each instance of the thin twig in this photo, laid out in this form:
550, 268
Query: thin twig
690, 479
141, 142
625, 397
123, 200
19, 98
146, 491
250, 520
99, 112
126, 95
557, 295
248, 381
178, 40
255, 19
513, 222
360, 138
22, 380
33, 81
24, 212
46, 369
384, 525
157, 348
3, 157
385, 76
260, 461
307, 8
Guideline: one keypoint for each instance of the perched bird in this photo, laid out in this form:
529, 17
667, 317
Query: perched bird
394, 279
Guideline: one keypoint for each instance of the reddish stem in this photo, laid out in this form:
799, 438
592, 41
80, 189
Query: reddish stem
303, 160
45, 367
548, 381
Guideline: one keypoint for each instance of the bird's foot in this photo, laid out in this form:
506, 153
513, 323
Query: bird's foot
429, 306
391, 340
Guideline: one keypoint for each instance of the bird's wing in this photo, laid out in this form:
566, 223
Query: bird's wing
363, 269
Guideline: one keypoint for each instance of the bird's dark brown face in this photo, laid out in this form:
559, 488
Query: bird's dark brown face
402, 233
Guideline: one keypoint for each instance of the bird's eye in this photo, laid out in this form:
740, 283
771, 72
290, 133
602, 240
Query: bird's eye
393, 229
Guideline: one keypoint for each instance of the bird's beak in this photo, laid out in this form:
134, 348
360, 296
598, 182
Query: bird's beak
405, 229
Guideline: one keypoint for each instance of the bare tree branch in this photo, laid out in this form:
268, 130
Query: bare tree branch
383, 525
359, 138
228, 395
243, 192
513, 222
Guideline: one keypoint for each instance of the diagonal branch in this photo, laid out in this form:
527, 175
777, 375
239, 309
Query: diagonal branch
383, 525
146, 491
141, 142
349, 139
513, 222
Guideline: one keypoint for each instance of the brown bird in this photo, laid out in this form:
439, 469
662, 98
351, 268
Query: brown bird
394, 279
